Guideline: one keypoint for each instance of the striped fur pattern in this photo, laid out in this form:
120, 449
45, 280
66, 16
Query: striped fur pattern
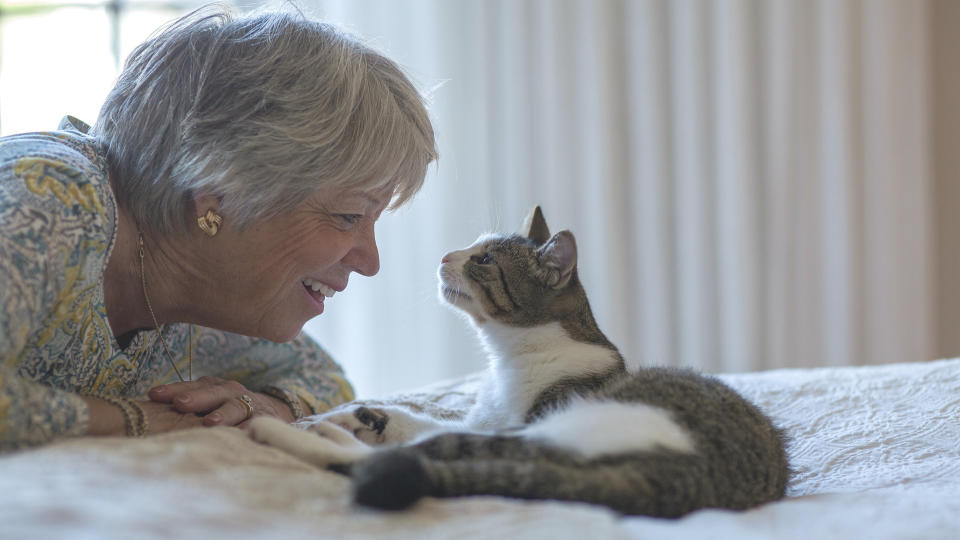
559, 416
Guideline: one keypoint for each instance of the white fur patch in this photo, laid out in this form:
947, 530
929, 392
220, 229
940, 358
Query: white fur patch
321, 444
525, 361
601, 428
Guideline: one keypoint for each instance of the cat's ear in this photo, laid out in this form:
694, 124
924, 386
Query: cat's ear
558, 259
535, 227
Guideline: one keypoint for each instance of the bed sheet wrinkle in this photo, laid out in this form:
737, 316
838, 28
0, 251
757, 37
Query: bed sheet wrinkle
866, 428
876, 452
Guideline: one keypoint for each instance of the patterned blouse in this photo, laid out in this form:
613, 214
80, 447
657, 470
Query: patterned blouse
58, 223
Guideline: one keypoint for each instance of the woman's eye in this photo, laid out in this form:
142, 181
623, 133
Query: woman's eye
350, 219
481, 259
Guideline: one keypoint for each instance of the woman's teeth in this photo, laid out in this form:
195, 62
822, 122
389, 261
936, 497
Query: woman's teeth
317, 286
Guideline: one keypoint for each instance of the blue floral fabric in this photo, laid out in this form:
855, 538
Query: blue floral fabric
58, 223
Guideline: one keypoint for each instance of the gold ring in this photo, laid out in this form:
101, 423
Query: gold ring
248, 403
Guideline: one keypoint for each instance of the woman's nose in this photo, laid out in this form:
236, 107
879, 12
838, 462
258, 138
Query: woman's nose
371, 264
365, 257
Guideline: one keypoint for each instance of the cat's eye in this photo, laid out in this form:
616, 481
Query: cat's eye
482, 259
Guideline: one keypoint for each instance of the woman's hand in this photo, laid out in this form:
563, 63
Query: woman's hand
219, 402
107, 418
161, 418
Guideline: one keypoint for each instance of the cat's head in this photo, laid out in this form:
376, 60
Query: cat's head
525, 279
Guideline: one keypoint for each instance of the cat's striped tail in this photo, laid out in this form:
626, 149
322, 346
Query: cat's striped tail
661, 483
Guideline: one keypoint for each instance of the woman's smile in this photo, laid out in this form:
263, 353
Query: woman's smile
317, 292
318, 286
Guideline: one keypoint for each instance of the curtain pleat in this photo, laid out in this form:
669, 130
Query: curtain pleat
748, 180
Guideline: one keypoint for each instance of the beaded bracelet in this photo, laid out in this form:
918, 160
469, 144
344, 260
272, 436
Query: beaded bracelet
290, 398
142, 425
135, 418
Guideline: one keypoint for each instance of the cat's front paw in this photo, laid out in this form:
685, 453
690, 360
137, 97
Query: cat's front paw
376, 426
365, 423
269, 431
323, 444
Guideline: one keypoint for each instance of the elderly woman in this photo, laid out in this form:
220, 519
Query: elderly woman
156, 269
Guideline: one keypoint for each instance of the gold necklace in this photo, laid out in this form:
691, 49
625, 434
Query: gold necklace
143, 281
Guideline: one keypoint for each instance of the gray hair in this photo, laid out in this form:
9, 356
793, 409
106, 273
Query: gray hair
261, 111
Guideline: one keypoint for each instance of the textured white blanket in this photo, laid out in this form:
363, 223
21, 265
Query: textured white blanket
876, 452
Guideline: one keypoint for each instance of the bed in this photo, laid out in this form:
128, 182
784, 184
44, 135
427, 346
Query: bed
875, 449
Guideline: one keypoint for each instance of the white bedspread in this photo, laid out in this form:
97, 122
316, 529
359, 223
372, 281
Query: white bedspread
876, 452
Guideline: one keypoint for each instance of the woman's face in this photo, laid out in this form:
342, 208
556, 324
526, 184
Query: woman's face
270, 269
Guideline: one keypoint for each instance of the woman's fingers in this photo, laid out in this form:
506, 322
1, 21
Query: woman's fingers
218, 402
204, 394
162, 418
233, 412
207, 398
162, 394
167, 392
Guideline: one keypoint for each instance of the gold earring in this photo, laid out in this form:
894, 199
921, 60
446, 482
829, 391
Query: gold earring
210, 223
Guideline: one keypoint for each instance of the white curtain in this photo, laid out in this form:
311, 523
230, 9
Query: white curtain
748, 181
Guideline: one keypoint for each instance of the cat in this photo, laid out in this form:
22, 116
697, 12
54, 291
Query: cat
558, 415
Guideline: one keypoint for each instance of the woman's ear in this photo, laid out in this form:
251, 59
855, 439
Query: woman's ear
202, 203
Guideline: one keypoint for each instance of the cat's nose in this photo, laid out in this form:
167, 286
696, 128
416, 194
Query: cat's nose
446, 258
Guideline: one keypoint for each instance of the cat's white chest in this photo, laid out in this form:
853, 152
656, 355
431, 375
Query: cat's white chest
497, 409
526, 361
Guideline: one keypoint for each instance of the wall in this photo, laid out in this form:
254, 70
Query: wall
945, 129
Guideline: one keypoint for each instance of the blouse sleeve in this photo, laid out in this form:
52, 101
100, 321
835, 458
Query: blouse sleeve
51, 235
32, 414
299, 369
